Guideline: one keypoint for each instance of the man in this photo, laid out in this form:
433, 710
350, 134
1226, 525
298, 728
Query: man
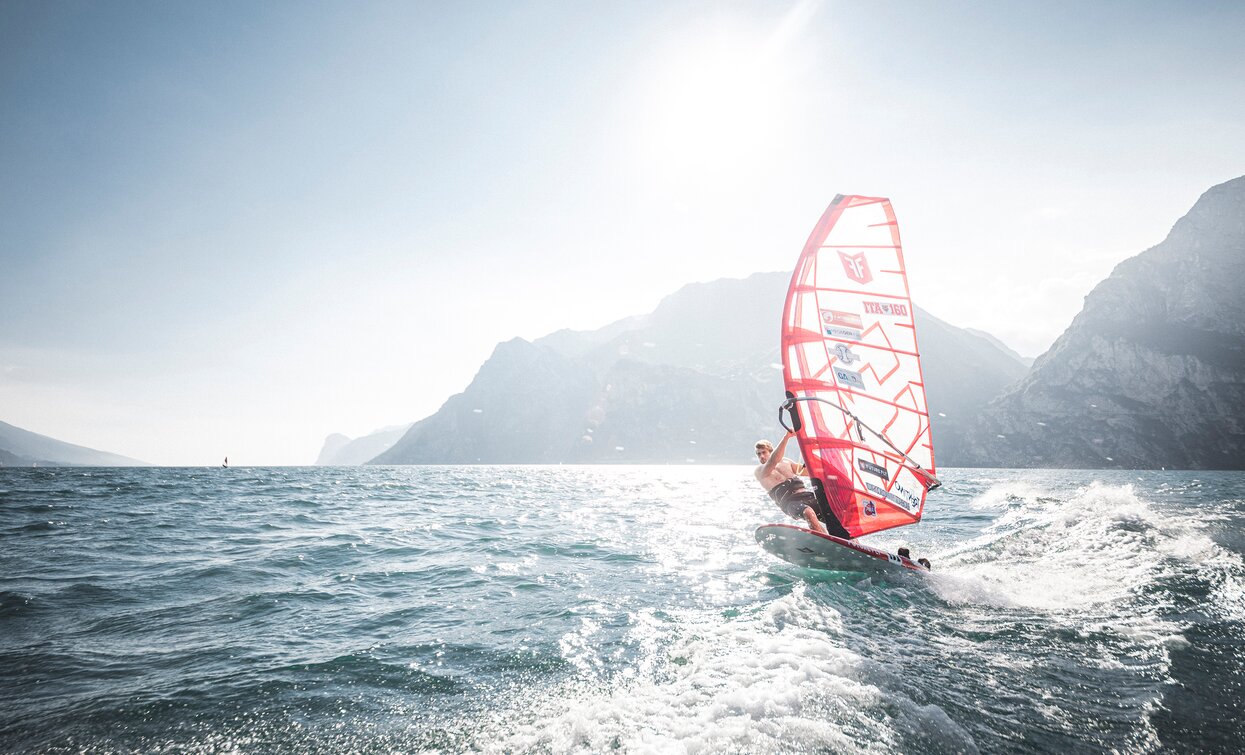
778, 475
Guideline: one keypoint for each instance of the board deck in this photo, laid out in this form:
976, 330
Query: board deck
814, 550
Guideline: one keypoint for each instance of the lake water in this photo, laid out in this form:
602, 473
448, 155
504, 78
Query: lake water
556, 609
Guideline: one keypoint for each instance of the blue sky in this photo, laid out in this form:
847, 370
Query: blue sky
232, 228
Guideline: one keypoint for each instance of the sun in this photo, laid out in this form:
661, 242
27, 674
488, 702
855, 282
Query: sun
717, 102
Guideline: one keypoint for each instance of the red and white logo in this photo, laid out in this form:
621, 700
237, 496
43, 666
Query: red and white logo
842, 319
886, 308
856, 267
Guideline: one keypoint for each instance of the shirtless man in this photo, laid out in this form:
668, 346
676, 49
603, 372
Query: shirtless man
779, 476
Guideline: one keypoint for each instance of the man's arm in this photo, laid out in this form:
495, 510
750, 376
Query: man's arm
775, 457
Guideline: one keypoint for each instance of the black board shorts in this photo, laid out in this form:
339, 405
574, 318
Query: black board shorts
792, 497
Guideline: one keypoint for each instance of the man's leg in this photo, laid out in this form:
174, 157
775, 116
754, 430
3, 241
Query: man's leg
814, 523
831, 522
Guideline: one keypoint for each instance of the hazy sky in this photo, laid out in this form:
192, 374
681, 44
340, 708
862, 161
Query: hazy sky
235, 227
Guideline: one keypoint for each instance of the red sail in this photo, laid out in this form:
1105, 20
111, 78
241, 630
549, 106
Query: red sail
850, 358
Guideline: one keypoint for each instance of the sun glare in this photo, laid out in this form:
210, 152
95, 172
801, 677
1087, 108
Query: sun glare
715, 104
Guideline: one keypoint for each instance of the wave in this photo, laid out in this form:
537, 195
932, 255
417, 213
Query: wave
778, 679
1103, 545
14, 604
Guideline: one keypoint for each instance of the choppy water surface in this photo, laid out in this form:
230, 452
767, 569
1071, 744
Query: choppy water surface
594, 608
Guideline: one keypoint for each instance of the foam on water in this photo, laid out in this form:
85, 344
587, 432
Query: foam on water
1100, 547
776, 679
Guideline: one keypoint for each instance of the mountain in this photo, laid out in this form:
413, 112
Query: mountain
696, 380
333, 444
1026, 361
340, 450
20, 447
963, 369
1151, 373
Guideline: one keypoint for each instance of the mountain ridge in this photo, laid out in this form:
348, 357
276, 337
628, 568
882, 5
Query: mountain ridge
23, 447
340, 450
1151, 372
697, 380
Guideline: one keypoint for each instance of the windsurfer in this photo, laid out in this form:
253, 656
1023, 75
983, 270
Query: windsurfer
779, 476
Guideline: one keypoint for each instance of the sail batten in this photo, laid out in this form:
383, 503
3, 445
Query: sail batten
850, 359
899, 297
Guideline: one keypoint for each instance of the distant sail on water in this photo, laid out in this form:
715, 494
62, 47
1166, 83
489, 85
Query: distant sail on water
851, 362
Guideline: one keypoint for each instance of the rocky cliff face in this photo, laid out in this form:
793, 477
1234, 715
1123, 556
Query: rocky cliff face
339, 450
332, 447
526, 405
1151, 373
695, 381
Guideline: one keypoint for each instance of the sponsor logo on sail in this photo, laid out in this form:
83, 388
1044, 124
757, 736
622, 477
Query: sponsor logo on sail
870, 508
844, 325
849, 378
898, 495
886, 308
845, 353
914, 500
844, 319
876, 470
847, 334
856, 267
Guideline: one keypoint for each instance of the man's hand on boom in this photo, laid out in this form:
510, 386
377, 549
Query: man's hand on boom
777, 455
